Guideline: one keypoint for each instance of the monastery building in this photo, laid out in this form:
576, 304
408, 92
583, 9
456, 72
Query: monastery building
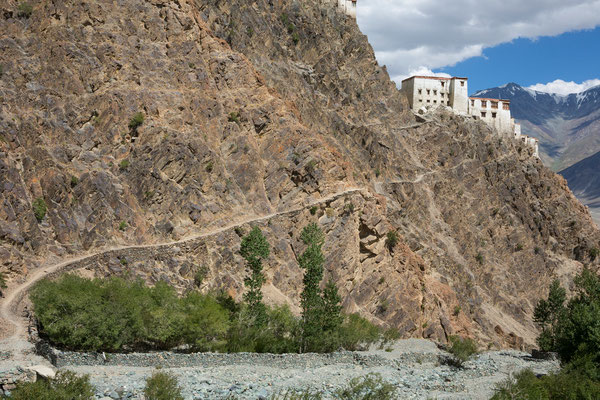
430, 91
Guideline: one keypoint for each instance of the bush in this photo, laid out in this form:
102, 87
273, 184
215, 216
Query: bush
116, 315
39, 208
200, 275
162, 386
25, 10
136, 121
370, 387
2, 281
567, 384
122, 225
391, 240
66, 386
123, 165
357, 333
234, 117
594, 253
461, 349
74, 181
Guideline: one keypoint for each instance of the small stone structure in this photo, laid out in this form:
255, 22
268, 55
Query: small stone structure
348, 7
431, 91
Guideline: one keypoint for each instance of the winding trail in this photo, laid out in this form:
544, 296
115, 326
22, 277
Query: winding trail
9, 308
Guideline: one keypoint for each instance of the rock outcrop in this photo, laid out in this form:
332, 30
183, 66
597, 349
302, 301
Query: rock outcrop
277, 114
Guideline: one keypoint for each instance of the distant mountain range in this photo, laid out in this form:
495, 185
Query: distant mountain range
568, 127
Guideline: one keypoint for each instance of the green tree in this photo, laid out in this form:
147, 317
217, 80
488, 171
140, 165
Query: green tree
39, 208
255, 249
547, 314
311, 301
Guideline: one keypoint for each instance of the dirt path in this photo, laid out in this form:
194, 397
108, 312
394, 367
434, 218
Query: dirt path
9, 308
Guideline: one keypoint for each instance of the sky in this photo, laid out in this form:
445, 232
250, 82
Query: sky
547, 45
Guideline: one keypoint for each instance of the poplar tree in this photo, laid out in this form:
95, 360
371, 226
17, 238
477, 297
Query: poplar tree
255, 249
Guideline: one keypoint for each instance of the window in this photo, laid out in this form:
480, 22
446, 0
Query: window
494, 104
483, 114
429, 101
484, 103
493, 115
462, 83
506, 106
428, 91
443, 83
472, 103
435, 102
420, 100
435, 92
420, 91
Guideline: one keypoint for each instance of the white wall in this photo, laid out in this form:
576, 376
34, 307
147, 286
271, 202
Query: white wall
459, 95
427, 92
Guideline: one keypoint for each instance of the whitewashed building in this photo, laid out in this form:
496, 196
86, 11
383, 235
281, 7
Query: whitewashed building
432, 91
348, 6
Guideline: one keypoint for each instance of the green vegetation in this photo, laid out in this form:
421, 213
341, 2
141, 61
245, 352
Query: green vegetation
479, 258
594, 253
461, 349
313, 210
24, 10
119, 315
66, 386
124, 165
519, 247
369, 387
122, 225
39, 208
115, 315
391, 240
209, 167
570, 328
136, 121
162, 386
74, 181
254, 249
234, 117
200, 275
2, 282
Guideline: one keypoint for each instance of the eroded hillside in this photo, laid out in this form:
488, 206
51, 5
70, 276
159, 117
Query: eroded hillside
277, 114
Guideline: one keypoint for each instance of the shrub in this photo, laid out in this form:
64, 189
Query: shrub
25, 10
66, 386
74, 181
479, 258
200, 275
39, 208
209, 167
519, 247
357, 333
136, 121
122, 225
391, 240
461, 349
234, 117
456, 311
368, 387
313, 210
162, 386
124, 165
594, 253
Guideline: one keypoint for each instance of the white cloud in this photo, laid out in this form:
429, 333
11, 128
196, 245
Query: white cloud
421, 71
409, 35
561, 87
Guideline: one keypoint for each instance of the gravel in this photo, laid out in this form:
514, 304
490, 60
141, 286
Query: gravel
413, 366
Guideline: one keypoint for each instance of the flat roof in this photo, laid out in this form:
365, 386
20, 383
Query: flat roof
489, 98
439, 78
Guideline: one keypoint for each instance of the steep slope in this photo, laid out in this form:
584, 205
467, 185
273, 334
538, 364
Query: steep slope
270, 113
584, 181
568, 126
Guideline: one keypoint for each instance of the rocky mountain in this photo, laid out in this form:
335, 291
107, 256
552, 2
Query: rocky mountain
568, 126
569, 131
271, 113
584, 180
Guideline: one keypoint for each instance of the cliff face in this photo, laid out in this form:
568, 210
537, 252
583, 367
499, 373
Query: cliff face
277, 114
